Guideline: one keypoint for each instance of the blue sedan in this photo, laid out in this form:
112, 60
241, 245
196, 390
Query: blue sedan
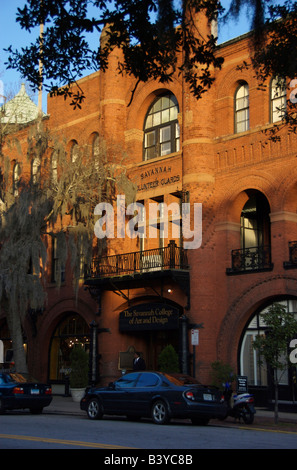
18, 393
155, 395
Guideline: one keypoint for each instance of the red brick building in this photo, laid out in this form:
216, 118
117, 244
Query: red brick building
151, 292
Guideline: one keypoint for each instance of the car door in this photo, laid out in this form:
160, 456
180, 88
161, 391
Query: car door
119, 399
145, 388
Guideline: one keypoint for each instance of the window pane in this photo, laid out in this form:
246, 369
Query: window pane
149, 122
150, 139
147, 380
242, 92
127, 380
165, 102
150, 153
156, 119
278, 100
242, 126
242, 103
173, 101
165, 116
165, 134
165, 148
173, 113
157, 106
242, 120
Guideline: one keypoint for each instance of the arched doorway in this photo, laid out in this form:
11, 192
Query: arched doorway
72, 329
255, 222
259, 375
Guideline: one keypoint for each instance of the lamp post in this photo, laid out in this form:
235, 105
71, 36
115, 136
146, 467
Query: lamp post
184, 349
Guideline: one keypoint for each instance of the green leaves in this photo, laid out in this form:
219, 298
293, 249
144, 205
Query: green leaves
151, 34
281, 328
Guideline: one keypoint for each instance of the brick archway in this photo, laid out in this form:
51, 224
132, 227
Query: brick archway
244, 306
47, 326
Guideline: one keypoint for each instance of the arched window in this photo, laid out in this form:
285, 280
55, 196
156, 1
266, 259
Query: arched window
161, 128
254, 253
255, 222
242, 108
16, 179
278, 99
35, 170
54, 167
74, 152
95, 145
255, 233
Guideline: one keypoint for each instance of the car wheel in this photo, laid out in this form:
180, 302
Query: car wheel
94, 410
160, 412
200, 421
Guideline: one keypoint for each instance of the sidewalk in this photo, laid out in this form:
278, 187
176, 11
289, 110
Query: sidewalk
64, 405
263, 419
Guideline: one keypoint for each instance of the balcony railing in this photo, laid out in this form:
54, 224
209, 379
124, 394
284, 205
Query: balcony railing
170, 257
292, 263
256, 258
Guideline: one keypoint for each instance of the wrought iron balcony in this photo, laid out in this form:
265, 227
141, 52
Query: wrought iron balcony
256, 258
168, 258
292, 263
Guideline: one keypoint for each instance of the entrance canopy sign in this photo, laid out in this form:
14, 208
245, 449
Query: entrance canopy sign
149, 316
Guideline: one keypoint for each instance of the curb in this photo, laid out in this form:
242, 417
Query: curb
264, 419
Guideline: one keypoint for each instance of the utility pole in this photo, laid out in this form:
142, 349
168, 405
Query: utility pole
41, 29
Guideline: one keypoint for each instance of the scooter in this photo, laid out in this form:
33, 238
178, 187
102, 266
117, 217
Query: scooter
239, 406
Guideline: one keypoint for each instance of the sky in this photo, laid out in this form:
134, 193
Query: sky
12, 34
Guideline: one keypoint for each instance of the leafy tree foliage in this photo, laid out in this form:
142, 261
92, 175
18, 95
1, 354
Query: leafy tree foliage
273, 346
57, 204
150, 33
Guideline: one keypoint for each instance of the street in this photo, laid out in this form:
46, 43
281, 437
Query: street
118, 436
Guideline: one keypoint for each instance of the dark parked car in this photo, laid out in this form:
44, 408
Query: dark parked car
157, 395
18, 393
